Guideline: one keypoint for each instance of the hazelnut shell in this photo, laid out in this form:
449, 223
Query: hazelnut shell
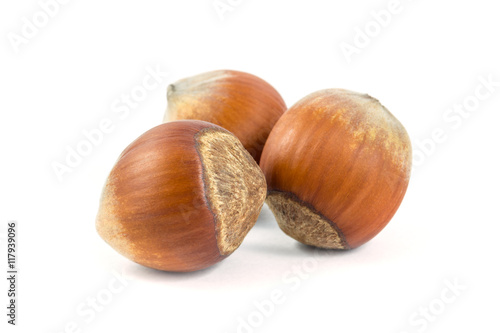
337, 166
181, 197
242, 103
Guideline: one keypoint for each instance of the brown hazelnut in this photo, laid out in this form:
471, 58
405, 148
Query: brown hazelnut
181, 197
242, 103
337, 166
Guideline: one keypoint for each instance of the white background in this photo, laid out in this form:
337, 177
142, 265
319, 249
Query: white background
65, 79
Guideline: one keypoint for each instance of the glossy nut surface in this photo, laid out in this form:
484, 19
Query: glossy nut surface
181, 197
337, 166
242, 103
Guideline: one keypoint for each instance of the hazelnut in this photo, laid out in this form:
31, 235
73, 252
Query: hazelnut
337, 166
181, 197
242, 103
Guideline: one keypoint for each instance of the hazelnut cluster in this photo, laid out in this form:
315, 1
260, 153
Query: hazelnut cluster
333, 169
